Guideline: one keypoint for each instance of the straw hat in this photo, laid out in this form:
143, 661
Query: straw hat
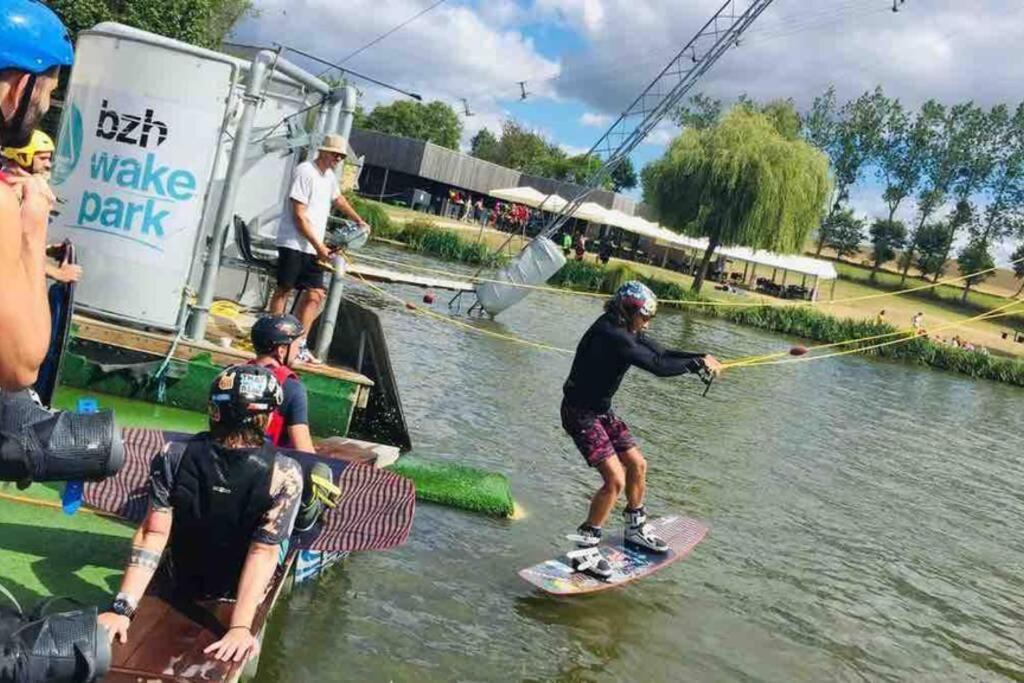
334, 143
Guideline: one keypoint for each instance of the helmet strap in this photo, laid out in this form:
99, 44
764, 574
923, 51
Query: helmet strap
9, 128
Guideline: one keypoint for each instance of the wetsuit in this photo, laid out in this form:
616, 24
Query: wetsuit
602, 358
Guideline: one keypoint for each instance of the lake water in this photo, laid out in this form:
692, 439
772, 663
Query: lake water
867, 521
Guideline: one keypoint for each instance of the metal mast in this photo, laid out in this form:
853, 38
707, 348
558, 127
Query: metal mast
721, 32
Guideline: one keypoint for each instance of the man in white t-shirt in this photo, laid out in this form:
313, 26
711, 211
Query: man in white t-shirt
300, 235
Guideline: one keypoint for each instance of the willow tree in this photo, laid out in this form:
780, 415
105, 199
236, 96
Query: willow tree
740, 182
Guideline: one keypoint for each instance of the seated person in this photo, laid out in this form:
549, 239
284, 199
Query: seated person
277, 340
223, 501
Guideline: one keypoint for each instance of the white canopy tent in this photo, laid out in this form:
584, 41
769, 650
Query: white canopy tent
531, 197
597, 214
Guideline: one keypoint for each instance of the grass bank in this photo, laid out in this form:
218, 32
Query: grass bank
806, 322
425, 236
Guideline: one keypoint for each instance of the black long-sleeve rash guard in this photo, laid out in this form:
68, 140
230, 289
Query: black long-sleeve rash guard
606, 352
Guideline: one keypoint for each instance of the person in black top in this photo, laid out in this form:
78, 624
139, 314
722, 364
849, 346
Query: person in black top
222, 503
607, 350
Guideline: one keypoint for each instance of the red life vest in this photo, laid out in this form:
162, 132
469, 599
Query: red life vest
276, 429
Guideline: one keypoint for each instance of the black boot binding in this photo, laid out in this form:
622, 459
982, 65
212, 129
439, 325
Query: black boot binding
67, 647
37, 444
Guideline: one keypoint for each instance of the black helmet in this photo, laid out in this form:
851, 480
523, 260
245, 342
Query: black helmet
272, 331
242, 392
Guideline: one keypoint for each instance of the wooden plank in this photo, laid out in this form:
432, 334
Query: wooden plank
385, 275
169, 646
159, 344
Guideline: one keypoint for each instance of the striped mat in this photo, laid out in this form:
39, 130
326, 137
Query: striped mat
375, 512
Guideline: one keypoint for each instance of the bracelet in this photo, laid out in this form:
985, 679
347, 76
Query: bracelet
247, 628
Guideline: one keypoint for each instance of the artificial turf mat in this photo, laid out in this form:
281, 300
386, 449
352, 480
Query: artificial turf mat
457, 485
44, 552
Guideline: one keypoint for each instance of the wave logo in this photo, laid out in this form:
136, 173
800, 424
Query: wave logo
69, 146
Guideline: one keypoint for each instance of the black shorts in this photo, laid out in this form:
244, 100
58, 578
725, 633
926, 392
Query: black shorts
298, 270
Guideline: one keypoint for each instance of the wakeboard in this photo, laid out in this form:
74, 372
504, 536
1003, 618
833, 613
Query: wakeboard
61, 296
629, 563
375, 512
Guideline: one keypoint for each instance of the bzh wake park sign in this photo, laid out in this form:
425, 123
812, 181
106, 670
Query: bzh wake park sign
133, 169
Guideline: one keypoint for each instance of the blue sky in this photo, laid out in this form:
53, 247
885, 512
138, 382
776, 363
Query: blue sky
585, 60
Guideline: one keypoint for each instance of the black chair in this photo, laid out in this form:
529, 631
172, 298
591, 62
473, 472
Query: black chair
243, 242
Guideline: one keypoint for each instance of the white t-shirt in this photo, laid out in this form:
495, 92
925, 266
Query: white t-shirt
317, 191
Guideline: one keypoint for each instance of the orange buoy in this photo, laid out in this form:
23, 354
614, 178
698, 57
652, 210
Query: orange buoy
798, 351
410, 305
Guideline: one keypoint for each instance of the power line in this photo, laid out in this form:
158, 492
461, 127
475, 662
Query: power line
394, 29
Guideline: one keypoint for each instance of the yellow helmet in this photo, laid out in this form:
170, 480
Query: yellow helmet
23, 156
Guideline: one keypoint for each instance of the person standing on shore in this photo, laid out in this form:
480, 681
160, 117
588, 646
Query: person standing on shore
34, 45
607, 350
36, 158
302, 255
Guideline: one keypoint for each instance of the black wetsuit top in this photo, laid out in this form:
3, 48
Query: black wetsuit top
606, 352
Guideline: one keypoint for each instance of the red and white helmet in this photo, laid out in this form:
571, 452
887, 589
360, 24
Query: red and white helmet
636, 297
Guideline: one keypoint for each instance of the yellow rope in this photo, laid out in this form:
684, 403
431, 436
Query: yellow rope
994, 313
57, 506
459, 323
765, 359
687, 302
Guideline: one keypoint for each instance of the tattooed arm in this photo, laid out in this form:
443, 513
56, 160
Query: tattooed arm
147, 548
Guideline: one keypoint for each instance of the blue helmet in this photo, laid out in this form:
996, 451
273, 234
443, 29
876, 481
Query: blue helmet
32, 38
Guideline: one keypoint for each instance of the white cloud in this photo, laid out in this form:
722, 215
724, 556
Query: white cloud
595, 120
947, 49
588, 14
453, 52
574, 150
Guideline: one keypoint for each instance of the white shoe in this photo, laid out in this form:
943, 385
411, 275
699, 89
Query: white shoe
587, 558
638, 532
306, 356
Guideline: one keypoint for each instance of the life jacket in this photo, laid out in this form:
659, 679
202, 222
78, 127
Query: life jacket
276, 431
219, 499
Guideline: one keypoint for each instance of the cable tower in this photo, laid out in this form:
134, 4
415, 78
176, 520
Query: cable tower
541, 259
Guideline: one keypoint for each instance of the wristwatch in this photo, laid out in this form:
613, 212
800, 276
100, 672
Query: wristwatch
124, 605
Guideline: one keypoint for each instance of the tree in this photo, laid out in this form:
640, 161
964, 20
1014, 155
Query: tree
1017, 258
945, 157
849, 135
485, 146
700, 113
435, 122
739, 182
974, 258
886, 237
199, 22
901, 155
931, 248
977, 162
624, 176
1004, 212
843, 232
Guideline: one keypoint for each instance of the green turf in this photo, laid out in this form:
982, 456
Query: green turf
457, 485
46, 552
436, 482
131, 413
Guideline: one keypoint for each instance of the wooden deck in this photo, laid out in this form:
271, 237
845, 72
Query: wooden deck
159, 344
166, 645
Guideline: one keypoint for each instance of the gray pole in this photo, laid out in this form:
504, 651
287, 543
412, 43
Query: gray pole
225, 209
383, 186
330, 319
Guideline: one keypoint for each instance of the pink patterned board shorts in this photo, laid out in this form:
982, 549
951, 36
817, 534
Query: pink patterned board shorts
598, 436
